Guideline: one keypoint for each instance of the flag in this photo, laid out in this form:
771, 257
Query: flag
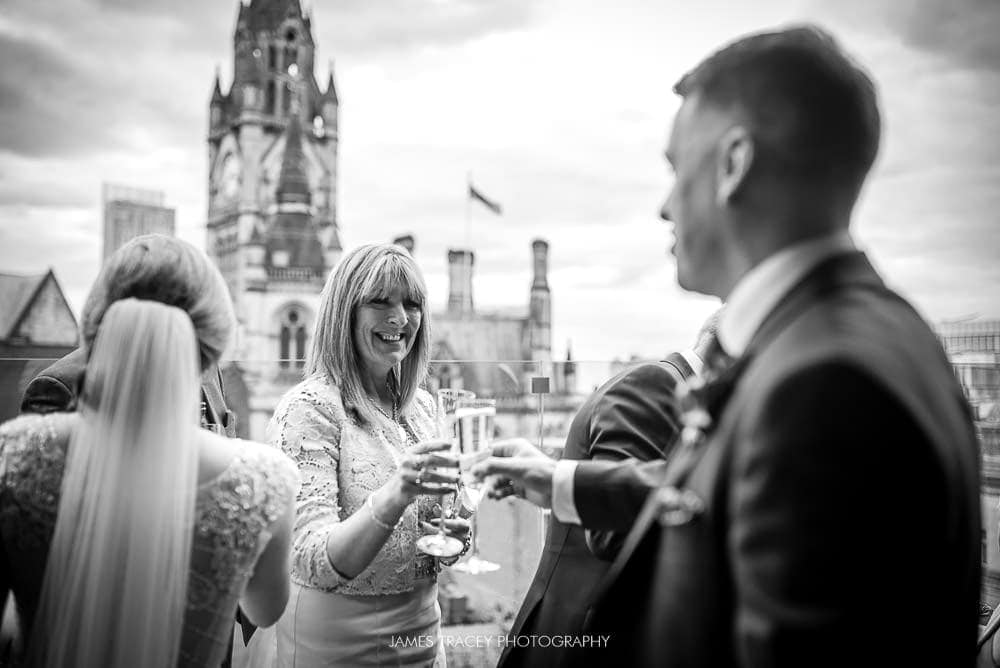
488, 203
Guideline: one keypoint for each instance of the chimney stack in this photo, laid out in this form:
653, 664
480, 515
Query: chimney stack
540, 308
460, 281
540, 253
406, 241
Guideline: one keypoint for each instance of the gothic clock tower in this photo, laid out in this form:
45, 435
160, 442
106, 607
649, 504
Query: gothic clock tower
272, 194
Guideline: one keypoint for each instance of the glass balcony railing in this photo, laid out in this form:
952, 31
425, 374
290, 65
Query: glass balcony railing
536, 400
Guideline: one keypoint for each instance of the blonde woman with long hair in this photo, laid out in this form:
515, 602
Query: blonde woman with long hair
364, 435
129, 533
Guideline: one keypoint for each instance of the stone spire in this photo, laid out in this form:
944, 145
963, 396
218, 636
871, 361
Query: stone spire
217, 97
331, 88
293, 182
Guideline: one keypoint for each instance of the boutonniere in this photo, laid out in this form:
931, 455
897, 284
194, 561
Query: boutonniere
696, 420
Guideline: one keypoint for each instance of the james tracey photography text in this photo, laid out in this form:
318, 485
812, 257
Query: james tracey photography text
501, 641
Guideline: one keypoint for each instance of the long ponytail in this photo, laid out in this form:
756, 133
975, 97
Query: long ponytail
115, 584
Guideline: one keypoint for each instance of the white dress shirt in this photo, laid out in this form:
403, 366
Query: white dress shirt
756, 294
762, 288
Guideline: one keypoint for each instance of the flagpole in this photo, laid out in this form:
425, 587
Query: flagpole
468, 208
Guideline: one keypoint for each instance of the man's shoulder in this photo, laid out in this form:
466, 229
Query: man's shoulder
68, 369
55, 388
880, 334
645, 375
647, 385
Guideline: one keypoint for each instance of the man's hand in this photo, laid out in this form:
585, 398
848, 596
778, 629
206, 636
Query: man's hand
517, 468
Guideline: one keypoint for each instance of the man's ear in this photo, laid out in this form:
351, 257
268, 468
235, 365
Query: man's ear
736, 154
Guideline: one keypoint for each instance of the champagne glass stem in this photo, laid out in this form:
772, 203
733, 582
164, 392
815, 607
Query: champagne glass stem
475, 534
441, 529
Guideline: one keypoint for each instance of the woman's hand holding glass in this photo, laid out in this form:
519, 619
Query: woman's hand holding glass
426, 468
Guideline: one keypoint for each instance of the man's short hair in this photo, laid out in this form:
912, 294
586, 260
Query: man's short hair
812, 112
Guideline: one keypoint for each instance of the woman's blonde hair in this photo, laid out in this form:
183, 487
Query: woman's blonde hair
367, 273
115, 584
170, 271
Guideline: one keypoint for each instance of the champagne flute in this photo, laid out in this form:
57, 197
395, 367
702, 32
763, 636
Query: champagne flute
475, 418
441, 544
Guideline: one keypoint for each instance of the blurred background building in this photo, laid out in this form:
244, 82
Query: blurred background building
36, 326
973, 348
131, 212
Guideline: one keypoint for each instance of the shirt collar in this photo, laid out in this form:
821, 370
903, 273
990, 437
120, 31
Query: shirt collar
763, 287
694, 361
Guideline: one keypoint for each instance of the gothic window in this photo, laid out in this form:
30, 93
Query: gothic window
272, 58
272, 88
292, 339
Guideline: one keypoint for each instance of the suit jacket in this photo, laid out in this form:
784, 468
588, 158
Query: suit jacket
58, 386
633, 415
840, 487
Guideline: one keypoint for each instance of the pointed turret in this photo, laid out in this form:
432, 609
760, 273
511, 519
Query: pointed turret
331, 88
569, 370
333, 249
217, 96
217, 106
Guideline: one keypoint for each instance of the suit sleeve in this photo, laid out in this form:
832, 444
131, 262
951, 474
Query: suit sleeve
817, 481
635, 419
46, 394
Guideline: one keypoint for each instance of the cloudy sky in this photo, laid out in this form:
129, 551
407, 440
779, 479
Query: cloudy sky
559, 109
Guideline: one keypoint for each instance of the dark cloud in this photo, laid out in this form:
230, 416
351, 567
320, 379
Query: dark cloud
48, 106
346, 28
964, 31
56, 102
362, 26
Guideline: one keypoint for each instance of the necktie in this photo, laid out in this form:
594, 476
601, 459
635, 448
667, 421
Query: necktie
717, 360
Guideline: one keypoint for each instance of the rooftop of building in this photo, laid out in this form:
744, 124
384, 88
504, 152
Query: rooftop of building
16, 295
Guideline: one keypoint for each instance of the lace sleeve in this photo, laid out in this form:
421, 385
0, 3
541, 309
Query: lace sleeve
306, 430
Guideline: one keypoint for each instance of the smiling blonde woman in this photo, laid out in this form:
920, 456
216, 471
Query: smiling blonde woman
364, 436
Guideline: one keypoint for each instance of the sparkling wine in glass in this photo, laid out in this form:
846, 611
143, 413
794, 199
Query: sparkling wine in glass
475, 420
440, 544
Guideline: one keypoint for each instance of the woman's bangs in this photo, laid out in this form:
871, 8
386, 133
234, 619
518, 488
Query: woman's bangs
389, 275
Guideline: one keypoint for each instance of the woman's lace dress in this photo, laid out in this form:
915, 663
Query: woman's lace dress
234, 515
388, 613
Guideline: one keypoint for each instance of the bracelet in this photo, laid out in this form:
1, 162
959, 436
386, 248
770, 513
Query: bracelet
375, 518
449, 561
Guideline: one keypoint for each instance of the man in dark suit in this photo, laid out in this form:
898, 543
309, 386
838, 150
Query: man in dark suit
839, 479
632, 415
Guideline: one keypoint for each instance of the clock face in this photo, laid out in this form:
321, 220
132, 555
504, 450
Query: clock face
230, 176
